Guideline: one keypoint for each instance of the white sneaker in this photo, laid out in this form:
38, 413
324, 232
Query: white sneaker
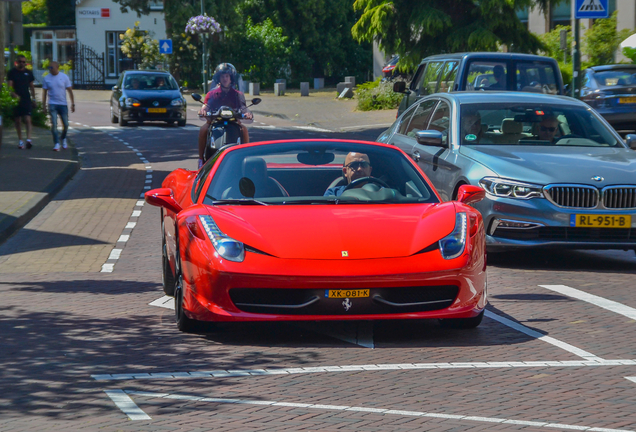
21, 145
64, 144
57, 147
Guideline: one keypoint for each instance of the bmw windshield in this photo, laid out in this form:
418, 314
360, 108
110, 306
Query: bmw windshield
533, 124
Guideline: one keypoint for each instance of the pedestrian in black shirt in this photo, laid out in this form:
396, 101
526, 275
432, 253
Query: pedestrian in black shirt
21, 80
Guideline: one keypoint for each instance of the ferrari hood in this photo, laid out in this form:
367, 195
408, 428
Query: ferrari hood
336, 231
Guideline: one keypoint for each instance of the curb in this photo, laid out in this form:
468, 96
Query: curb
10, 226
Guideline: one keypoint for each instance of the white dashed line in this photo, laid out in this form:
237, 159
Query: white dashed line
632, 379
126, 404
523, 329
130, 225
123, 238
604, 303
164, 302
107, 268
384, 411
312, 128
115, 254
363, 368
136, 213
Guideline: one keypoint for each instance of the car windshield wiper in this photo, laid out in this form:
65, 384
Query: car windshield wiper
244, 201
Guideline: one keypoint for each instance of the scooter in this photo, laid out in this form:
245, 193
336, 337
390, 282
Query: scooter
224, 128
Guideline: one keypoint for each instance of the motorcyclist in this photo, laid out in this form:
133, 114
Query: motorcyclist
224, 94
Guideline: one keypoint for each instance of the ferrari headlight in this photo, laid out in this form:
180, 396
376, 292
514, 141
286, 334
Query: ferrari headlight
227, 247
177, 102
453, 245
131, 102
511, 188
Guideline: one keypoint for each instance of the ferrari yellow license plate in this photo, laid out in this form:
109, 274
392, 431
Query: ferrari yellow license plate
627, 100
347, 293
600, 221
157, 110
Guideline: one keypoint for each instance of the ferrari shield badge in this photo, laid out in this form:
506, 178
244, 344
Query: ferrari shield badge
347, 304
345, 253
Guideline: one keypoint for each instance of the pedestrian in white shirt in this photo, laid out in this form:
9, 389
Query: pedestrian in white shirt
56, 84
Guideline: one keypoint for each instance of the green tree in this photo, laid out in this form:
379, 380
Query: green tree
417, 29
602, 40
35, 12
138, 45
60, 12
552, 43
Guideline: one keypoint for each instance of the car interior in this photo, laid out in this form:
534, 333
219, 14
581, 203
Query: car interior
149, 82
304, 176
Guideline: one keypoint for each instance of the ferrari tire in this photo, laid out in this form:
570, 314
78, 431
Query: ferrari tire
184, 324
167, 277
462, 323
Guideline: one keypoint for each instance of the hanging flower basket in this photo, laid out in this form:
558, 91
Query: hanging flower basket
202, 24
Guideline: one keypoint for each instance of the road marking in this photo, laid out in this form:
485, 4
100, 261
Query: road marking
126, 404
532, 333
107, 268
632, 379
366, 126
103, 127
312, 128
123, 238
163, 302
362, 368
115, 254
604, 303
385, 411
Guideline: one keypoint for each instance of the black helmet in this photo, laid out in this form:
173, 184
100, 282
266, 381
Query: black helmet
225, 68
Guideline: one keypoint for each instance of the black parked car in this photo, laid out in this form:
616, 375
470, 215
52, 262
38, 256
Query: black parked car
482, 71
147, 96
611, 90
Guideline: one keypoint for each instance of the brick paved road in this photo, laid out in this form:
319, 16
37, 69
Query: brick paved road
64, 321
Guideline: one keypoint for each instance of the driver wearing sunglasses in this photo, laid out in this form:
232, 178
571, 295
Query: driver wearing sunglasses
548, 128
356, 166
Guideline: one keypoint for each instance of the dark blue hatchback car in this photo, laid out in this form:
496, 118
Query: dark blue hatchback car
611, 90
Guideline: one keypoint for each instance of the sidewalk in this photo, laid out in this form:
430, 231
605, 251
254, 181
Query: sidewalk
30, 178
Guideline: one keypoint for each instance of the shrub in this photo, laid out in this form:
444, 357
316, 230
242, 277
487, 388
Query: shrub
7, 103
378, 95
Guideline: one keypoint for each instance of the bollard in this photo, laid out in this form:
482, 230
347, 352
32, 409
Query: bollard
279, 89
304, 89
351, 79
255, 89
319, 83
343, 85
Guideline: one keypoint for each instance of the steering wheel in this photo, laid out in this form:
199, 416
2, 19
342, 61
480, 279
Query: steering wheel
567, 136
364, 180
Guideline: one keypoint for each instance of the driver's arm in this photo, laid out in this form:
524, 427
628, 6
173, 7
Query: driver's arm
243, 107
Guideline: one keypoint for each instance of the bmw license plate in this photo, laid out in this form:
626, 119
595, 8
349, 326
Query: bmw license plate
347, 293
600, 221
157, 110
627, 100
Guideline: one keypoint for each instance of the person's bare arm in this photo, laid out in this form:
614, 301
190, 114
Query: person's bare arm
70, 92
32, 88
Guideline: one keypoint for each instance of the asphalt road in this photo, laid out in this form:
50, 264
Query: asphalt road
89, 342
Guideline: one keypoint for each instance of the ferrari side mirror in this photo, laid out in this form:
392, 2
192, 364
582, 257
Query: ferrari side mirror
469, 194
162, 197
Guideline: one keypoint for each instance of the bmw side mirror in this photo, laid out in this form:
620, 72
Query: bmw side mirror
430, 137
196, 97
469, 194
630, 139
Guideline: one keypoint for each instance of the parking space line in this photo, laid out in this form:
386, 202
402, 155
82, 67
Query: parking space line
535, 334
138, 375
632, 379
126, 404
374, 411
604, 303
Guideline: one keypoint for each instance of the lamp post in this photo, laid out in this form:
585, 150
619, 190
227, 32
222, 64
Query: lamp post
203, 25
204, 58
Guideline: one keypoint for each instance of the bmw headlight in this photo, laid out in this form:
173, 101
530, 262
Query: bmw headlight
177, 102
511, 188
227, 247
131, 102
453, 245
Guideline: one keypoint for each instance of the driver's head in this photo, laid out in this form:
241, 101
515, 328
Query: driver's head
356, 166
548, 127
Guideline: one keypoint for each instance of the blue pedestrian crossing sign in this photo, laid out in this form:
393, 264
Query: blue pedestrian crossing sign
591, 9
165, 46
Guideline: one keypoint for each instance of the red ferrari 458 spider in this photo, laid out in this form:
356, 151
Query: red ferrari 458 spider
318, 230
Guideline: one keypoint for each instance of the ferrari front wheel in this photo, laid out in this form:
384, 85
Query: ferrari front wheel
184, 323
167, 277
462, 323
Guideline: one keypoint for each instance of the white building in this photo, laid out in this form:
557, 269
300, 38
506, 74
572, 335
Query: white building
99, 24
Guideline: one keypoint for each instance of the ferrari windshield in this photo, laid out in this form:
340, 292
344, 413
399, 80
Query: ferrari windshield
316, 172
533, 124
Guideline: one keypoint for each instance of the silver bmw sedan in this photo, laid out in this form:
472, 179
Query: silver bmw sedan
555, 172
